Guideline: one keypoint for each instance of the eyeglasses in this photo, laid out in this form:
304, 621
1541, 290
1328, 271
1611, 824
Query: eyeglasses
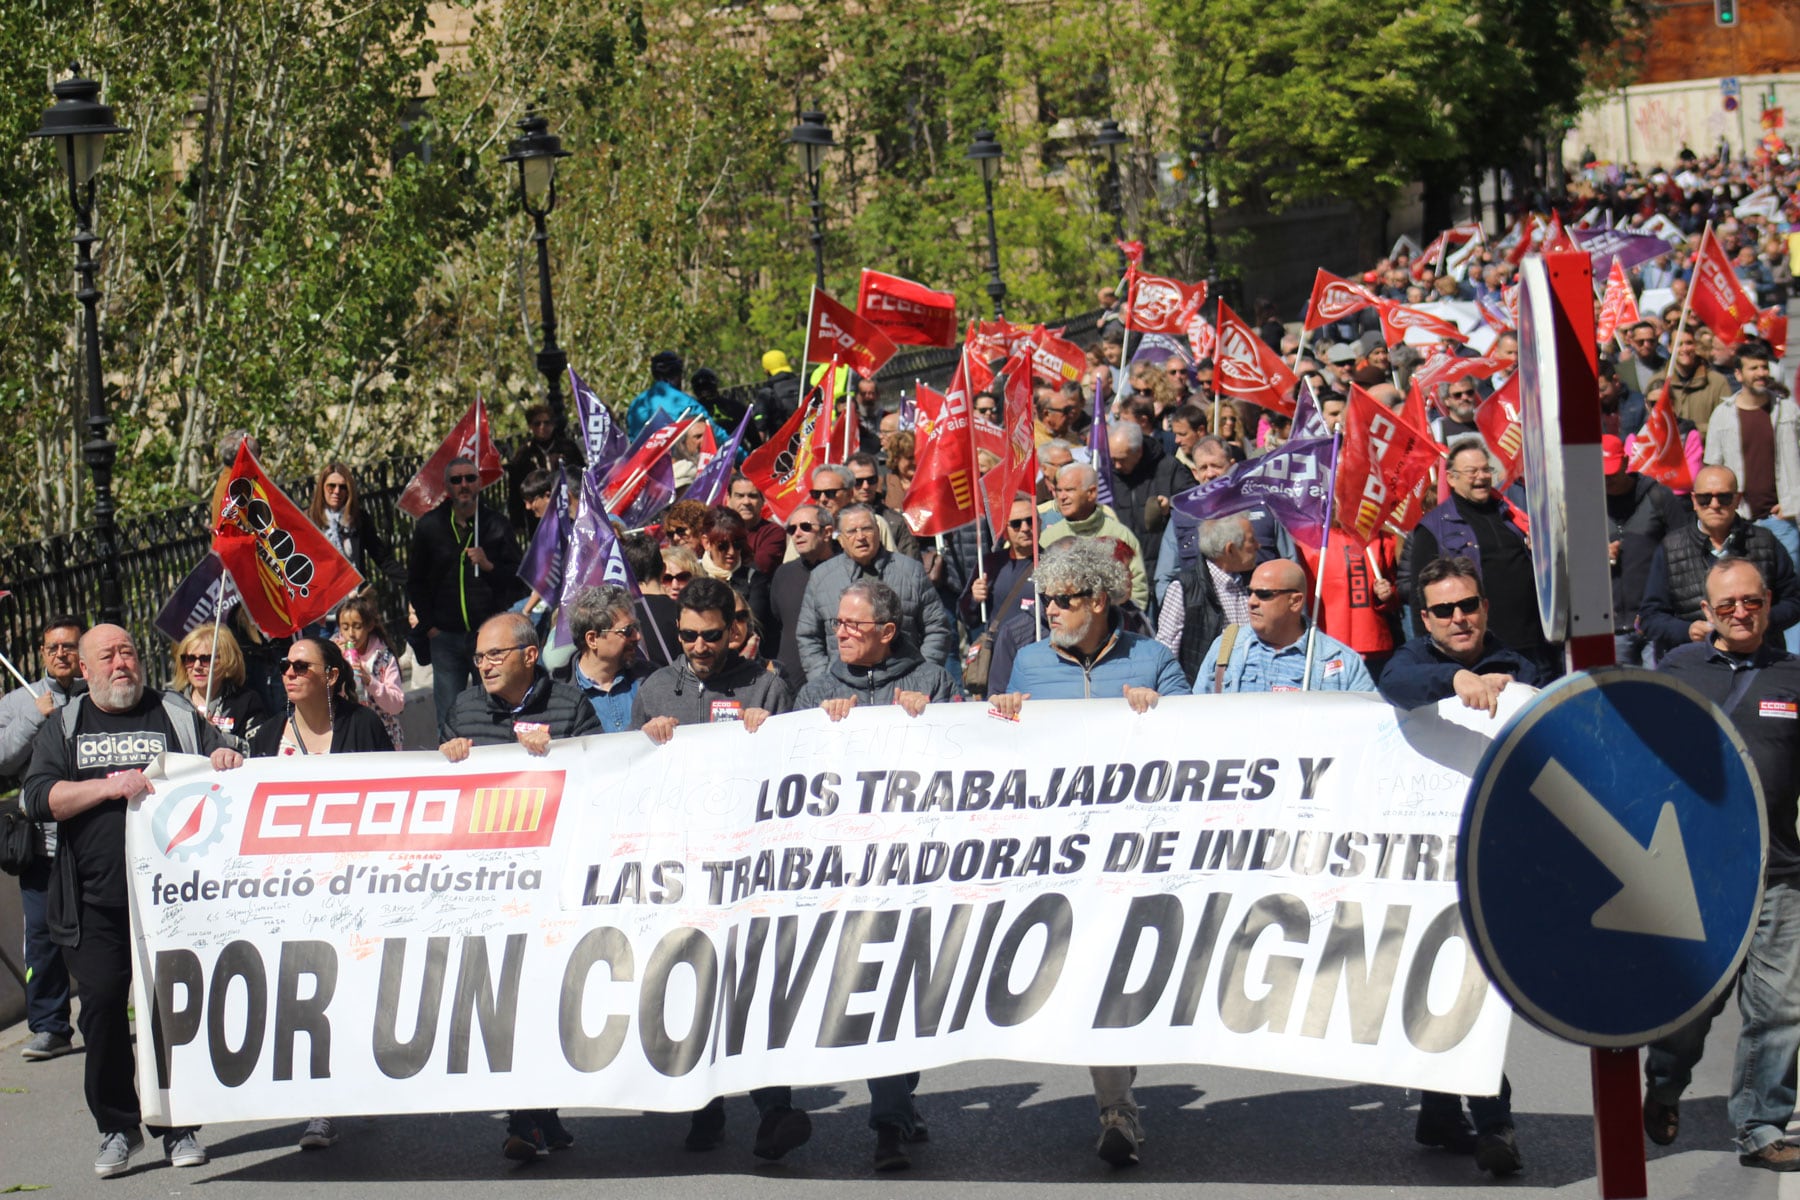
630, 633
1066, 599
826, 493
1021, 523
337, 487
1467, 606
1749, 604
740, 614
985, 412
189, 660
296, 666
1462, 395
863, 481
850, 623
675, 531
1474, 472
802, 527
61, 648
493, 658
462, 480
681, 577
858, 532
1060, 411
1271, 593
1710, 499
711, 637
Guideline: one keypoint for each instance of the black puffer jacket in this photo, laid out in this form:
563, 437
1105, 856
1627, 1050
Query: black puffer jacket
487, 721
676, 692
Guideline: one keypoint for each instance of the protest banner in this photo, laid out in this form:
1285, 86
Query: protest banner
1253, 881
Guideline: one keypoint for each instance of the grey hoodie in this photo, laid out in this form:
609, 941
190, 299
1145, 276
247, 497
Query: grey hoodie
674, 691
877, 684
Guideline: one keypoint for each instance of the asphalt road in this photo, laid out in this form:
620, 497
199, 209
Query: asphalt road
997, 1129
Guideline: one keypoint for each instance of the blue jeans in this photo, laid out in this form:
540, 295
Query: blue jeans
1762, 1077
891, 1102
1788, 535
452, 670
46, 975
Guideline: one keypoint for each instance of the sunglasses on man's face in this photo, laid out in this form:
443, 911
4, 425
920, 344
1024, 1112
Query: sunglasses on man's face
1467, 606
864, 481
802, 527
1709, 499
711, 637
680, 577
1020, 523
464, 480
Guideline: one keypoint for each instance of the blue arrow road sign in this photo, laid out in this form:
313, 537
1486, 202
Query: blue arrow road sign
1611, 857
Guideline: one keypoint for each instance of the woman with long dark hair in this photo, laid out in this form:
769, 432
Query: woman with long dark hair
337, 510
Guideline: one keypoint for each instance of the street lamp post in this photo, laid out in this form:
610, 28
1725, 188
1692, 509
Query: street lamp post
987, 154
1110, 138
536, 150
78, 123
811, 138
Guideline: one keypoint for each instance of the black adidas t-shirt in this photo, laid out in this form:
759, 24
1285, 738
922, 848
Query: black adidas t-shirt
103, 744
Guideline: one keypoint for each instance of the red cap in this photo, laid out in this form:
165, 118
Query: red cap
1612, 453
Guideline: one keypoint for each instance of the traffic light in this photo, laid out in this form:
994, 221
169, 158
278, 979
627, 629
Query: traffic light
1725, 13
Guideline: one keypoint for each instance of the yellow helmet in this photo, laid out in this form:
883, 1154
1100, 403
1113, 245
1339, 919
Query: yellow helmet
775, 362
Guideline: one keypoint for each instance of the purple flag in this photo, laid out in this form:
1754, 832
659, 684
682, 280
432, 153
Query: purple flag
1100, 450
1308, 421
593, 557
1631, 249
1159, 348
542, 567
709, 485
602, 440
193, 602
1293, 481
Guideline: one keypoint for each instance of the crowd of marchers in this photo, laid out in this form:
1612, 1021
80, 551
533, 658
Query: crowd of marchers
739, 616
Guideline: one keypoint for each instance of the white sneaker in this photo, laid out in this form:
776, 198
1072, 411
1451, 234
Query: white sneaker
116, 1150
184, 1150
319, 1134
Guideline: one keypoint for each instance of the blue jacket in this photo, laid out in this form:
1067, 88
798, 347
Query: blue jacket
1044, 672
1421, 674
660, 399
1254, 667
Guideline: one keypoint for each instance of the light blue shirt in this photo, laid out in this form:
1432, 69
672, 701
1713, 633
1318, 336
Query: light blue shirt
1255, 666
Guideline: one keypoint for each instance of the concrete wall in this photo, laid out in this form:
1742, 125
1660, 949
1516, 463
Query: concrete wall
1649, 125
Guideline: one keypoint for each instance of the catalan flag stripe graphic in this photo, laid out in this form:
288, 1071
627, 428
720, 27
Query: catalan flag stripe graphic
506, 810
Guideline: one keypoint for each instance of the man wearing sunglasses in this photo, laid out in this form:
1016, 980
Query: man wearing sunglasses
1478, 523
1672, 614
868, 485
1087, 656
22, 714
1747, 673
464, 568
609, 668
1270, 656
812, 537
1646, 359
710, 682
1005, 568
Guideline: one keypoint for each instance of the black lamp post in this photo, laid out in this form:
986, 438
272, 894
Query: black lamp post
79, 123
811, 138
1110, 138
986, 154
536, 150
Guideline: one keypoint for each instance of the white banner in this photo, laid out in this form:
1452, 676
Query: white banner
1258, 881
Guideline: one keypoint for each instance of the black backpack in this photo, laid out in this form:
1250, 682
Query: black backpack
18, 839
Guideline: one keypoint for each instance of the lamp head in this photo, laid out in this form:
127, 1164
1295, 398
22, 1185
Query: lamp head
986, 154
79, 124
811, 138
536, 150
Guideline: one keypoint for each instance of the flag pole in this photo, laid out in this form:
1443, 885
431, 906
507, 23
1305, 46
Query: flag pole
23, 682
805, 345
1312, 627
852, 418
475, 533
981, 512
213, 667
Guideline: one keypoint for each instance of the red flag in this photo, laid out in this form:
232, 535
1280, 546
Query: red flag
1157, 304
1133, 252
909, 313
1715, 294
1384, 457
1448, 368
1333, 299
472, 438
837, 333
1556, 237
1397, 318
1017, 452
1245, 366
1055, 358
989, 340
1618, 308
628, 476
782, 467
942, 496
1772, 324
1657, 450
1203, 339
283, 567
1503, 429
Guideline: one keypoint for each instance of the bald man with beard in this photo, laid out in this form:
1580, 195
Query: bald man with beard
1270, 656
